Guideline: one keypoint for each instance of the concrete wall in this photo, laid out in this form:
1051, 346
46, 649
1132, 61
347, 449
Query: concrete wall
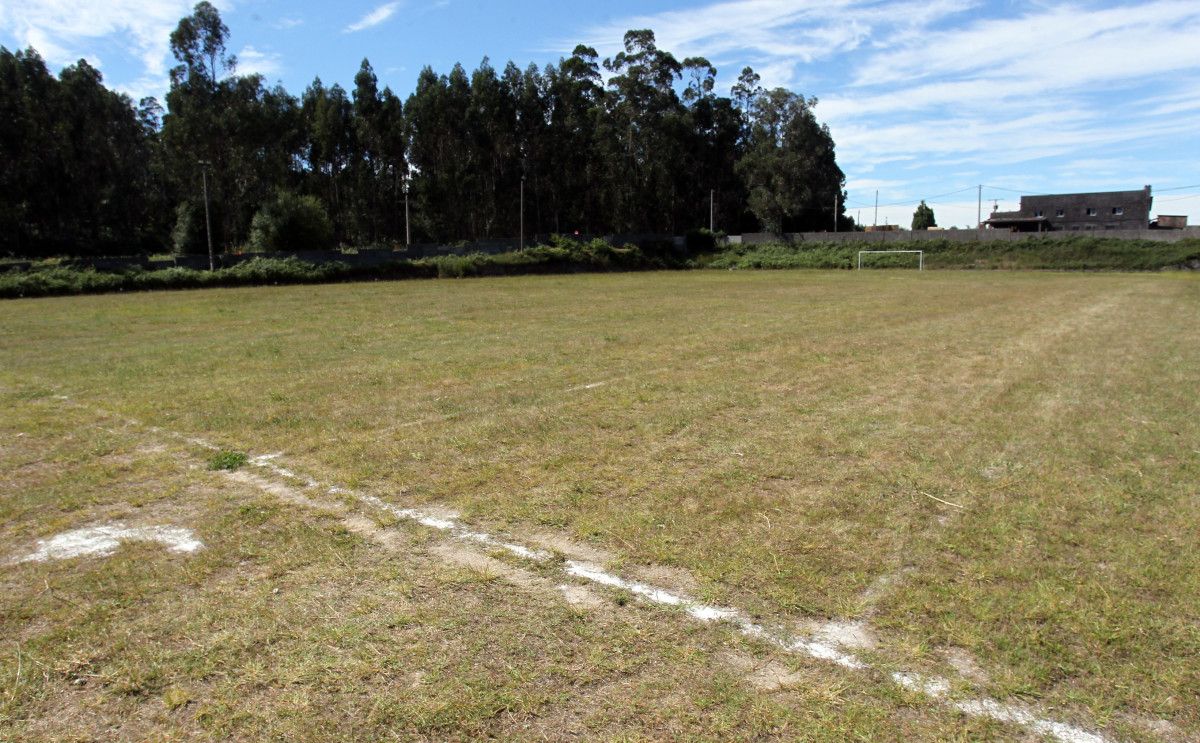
963, 236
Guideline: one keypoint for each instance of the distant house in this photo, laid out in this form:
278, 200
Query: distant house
1106, 210
1170, 222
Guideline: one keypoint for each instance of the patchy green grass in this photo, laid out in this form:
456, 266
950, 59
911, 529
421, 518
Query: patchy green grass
999, 467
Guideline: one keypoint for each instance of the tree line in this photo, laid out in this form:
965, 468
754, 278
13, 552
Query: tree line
639, 142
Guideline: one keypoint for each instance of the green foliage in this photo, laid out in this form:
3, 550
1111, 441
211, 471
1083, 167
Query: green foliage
565, 255
59, 280
77, 173
1058, 253
227, 460
189, 235
562, 255
638, 143
789, 166
291, 222
923, 217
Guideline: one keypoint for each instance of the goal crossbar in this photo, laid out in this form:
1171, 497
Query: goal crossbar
920, 256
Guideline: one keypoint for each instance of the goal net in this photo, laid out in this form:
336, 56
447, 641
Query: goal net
919, 253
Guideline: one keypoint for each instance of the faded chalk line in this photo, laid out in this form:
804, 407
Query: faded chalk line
827, 644
103, 541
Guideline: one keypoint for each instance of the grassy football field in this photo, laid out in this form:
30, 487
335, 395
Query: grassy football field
875, 505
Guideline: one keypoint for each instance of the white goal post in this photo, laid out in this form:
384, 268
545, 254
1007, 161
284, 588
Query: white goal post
920, 256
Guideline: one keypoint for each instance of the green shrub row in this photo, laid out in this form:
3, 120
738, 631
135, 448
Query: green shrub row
1054, 253
564, 255
561, 256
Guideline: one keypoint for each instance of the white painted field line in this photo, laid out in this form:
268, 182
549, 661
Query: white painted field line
265, 461
102, 541
813, 647
614, 380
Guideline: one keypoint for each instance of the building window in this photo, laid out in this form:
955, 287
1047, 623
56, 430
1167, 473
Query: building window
1091, 211
1059, 213
1118, 211
1039, 213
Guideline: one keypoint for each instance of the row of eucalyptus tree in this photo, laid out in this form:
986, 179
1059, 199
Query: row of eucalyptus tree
639, 142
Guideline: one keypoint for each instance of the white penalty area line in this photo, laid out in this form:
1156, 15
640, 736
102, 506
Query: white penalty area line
813, 646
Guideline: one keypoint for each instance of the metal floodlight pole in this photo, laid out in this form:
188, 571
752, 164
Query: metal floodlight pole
407, 233
522, 212
207, 220
712, 210
835, 212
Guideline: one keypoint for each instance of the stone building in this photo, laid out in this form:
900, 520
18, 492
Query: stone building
1105, 210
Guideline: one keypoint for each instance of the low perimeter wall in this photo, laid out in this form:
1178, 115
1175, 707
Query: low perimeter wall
964, 236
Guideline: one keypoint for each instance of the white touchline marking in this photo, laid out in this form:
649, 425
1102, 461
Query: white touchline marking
264, 461
102, 541
614, 380
1018, 716
820, 649
934, 688
447, 524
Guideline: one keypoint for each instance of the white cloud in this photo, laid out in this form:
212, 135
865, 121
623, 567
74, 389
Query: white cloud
374, 18
146, 86
252, 61
1074, 94
63, 30
776, 37
287, 23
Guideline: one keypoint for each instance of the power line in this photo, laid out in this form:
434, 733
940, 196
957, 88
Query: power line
1011, 190
927, 200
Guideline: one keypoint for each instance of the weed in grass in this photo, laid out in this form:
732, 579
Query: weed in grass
228, 460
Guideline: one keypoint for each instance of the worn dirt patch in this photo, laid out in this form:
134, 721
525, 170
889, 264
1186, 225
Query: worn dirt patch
763, 674
582, 597
457, 554
965, 665
390, 539
574, 550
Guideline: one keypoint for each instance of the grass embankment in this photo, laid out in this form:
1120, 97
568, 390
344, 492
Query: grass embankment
569, 256
1055, 253
784, 442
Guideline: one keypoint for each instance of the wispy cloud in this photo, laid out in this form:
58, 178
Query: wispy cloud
917, 91
778, 37
63, 30
252, 61
374, 18
288, 22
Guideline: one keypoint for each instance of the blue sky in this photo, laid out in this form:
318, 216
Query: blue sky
925, 98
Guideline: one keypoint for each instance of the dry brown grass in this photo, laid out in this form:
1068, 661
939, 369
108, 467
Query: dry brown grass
784, 442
